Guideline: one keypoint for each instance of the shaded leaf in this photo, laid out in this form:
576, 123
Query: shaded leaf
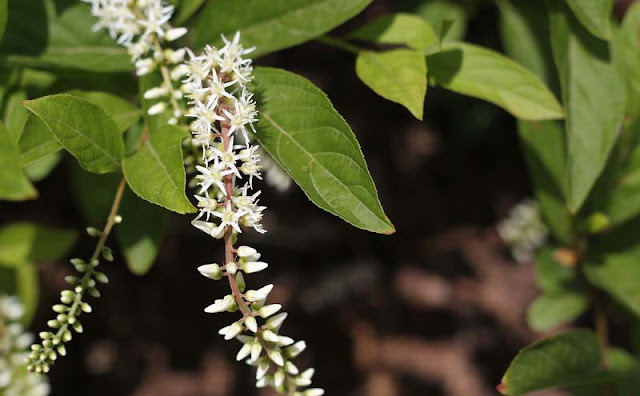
626, 46
593, 95
595, 15
186, 9
4, 16
25, 242
436, 12
36, 141
488, 75
553, 277
14, 185
309, 139
156, 172
410, 30
123, 113
271, 25
41, 168
552, 310
15, 115
83, 129
398, 75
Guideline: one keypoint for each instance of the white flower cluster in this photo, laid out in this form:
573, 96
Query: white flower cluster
223, 112
142, 26
14, 344
523, 230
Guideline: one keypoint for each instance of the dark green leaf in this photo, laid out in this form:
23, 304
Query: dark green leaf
309, 139
140, 232
271, 25
593, 95
186, 9
406, 29
626, 45
553, 277
436, 12
14, 185
84, 129
4, 16
15, 115
398, 75
552, 310
566, 359
595, 15
488, 75
156, 172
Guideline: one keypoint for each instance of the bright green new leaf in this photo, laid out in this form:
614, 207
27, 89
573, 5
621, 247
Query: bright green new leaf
406, 29
302, 131
595, 15
593, 95
488, 75
156, 172
398, 75
271, 25
552, 310
14, 185
82, 128
123, 113
25, 242
436, 12
140, 235
566, 359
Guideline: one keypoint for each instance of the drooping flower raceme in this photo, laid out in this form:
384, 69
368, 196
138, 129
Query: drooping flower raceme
142, 26
14, 344
223, 113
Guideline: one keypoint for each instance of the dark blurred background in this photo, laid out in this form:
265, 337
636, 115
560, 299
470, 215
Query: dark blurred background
436, 309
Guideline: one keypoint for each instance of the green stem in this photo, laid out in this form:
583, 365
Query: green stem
339, 43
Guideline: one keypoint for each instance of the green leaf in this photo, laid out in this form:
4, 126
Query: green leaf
543, 144
566, 359
488, 75
28, 290
625, 45
41, 168
611, 264
271, 25
25, 242
406, 29
123, 113
593, 95
552, 310
84, 129
186, 9
436, 12
36, 141
140, 232
66, 41
4, 16
397, 75
595, 15
624, 373
15, 115
553, 277
156, 172
309, 139
14, 185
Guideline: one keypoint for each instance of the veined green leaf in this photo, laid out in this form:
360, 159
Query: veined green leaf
485, 74
25, 242
406, 29
123, 113
309, 139
156, 172
625, 45
566, 359
593, 94
595, 15
552, 310
271, 25
15, 115
398, 75
36, 141
82, 128
14, 185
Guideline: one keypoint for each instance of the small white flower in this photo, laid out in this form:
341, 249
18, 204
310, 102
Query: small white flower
269, 310
260, 294
231, 331
229, 217
253, 266
221, 305
175, 33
